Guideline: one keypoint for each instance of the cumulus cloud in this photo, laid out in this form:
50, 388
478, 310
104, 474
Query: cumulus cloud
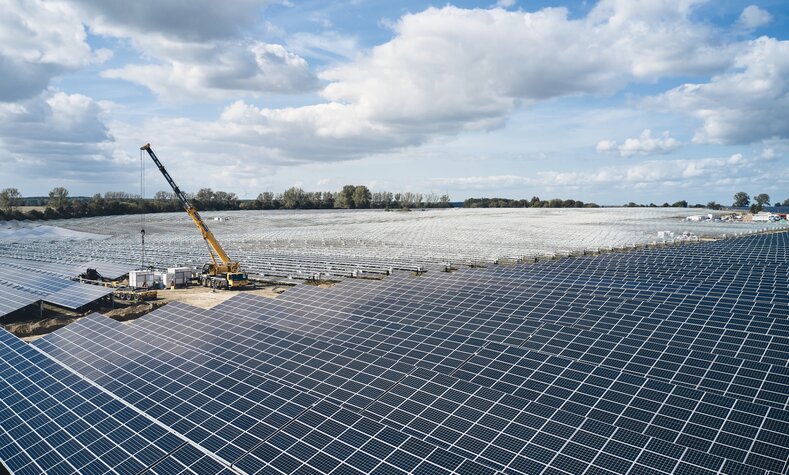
190, 21
445, 72
753, 17
469, 81
220, 69
748, 104
56, 135
644, 144
198, 49
38, 41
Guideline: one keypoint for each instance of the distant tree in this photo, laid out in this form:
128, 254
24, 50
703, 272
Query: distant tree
631, 205
225, 200
327, 200
665, 205
714, 205
444, 201
756, 208
785, 202
205, 196
58, 198
163, 196
741, 199
344, 199
763, 199
265, 200
293, 198
50, 213
680, 204
361, 197
120, 196
9, 200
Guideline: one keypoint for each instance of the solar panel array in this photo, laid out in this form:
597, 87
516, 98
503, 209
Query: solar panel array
647, 362
25, 282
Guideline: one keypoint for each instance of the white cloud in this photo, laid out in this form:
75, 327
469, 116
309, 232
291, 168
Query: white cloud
56, 136
470, 80
446, 71
746, 105
220, 70
644, 144
38, 41
186, 21
199, 49
753, 17
505, 3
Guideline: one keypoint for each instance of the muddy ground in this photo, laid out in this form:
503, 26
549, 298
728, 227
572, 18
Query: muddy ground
54, 318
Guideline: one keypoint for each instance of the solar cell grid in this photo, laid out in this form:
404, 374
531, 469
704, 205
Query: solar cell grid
168, 389
725, 337
436, 287
12, 299
55, 422
330, 439
294, 384
741, 379
488, 425
224, 409
388, 327
555, 386
420, 425
749, 433
53, 289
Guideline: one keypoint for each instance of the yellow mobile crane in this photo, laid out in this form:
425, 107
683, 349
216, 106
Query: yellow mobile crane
223, 273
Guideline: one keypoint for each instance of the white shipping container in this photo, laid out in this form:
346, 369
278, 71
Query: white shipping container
177, 276
142, 279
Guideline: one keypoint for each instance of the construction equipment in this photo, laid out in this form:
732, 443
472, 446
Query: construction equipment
221, 272
134, 295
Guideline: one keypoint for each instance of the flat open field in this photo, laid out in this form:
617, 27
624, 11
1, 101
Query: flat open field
339, 242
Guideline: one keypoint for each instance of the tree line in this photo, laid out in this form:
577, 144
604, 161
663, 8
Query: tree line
350, 197
741, 200
534, 202
59, 204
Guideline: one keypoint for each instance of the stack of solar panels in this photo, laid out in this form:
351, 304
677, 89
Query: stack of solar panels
649, 362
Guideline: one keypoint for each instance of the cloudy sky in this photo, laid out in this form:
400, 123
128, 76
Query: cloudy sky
609, 101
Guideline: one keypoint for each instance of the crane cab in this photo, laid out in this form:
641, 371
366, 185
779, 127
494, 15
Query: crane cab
220, 277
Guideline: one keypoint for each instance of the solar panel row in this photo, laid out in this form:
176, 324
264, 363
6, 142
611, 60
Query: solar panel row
52, 421
354, 383
644, 362
21, 286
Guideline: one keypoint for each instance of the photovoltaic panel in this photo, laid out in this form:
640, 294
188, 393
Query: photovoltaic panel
544, 374
751, 340
662, 371
12, 299
213, 434
295, 354
741, 379
52, 289
52, 421
749, 433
